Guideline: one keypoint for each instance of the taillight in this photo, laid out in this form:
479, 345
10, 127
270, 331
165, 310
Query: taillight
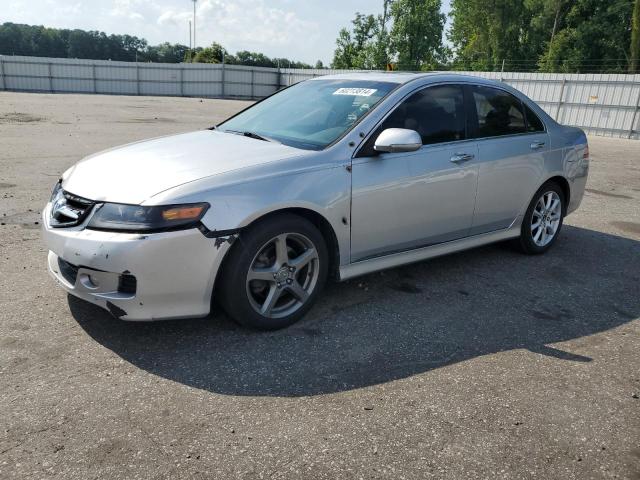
586, 152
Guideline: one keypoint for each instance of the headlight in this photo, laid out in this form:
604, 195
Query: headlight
136, 218
55, 191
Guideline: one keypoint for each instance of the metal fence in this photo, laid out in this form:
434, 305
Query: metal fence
601, 104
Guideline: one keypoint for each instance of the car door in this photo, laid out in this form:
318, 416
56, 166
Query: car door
402, 201
512, 148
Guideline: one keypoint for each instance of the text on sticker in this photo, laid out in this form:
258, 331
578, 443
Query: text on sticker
359, 92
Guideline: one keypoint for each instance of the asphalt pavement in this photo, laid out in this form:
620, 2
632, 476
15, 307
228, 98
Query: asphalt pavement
483, 364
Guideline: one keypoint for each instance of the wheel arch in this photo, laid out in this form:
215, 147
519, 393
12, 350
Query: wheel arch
317, 219
327, 231
564, 185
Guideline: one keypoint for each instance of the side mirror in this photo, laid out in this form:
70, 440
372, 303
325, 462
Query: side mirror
394, 140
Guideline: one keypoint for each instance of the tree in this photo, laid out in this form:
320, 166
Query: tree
166, 53
364, 33
13, 41
212, 54
382, 53
319, 65
416, 35
594, 38
132, 47
551, 35
547, 19
345, 53
82, 44
356, 48
484, 33
253, 59
286, 63
635, 38
215, 52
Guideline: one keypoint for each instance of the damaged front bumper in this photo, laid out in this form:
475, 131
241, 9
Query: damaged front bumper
136, 276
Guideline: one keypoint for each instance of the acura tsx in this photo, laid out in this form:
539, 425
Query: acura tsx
333, 177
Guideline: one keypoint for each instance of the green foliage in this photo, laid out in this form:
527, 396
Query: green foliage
166, 53
50, 42
595, 36
366, 45
212, 54
356, 48
345, 53
253, 59
550, 35
521, 35
382, 48
484, 33
416, 35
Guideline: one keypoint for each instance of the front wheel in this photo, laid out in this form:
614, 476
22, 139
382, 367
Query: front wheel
274, 273
543, 220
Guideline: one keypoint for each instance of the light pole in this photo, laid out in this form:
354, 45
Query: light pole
195, 46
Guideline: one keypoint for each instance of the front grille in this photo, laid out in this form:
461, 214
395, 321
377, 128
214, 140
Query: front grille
68, 271
69, 210
127, 284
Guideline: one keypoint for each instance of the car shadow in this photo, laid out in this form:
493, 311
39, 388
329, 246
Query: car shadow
394, 324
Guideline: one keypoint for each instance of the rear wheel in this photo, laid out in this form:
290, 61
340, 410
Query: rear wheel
274, 273
543, 219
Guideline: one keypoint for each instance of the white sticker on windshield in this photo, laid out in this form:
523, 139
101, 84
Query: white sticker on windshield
358, 92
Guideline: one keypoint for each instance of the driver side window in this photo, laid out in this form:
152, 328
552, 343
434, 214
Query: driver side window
436, 113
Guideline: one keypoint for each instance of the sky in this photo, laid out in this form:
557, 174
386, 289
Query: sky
303, 30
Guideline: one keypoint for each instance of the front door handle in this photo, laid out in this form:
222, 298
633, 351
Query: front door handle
462, 157
537, 145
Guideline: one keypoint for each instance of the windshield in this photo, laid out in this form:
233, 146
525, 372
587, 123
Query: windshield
309, 115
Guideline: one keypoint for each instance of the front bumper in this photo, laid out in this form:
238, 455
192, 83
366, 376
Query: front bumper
174, 271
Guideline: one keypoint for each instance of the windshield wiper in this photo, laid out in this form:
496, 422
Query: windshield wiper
251, 135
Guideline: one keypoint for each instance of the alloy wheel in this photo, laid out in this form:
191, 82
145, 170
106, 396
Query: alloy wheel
282, 275
546, 217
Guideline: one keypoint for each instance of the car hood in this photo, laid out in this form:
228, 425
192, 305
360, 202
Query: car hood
135, 172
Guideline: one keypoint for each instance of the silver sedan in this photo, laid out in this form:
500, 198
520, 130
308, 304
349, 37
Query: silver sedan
334, 177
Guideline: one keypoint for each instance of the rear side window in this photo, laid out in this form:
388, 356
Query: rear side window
498, 112
534, 124
436, 113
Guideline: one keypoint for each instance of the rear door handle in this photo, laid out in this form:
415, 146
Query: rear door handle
537, 145
462, 157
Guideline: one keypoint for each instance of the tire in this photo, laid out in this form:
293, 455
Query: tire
536, 240
266, 287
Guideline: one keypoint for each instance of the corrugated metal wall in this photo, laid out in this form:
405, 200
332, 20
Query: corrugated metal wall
601, 104
61, 75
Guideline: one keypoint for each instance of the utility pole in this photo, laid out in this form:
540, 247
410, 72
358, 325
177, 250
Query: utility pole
190, 43
195, 45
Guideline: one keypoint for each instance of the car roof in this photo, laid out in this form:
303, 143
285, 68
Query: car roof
405, 77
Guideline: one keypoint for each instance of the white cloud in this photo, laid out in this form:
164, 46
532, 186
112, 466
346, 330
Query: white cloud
241, 24
131, 9
173, 18
68, 8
